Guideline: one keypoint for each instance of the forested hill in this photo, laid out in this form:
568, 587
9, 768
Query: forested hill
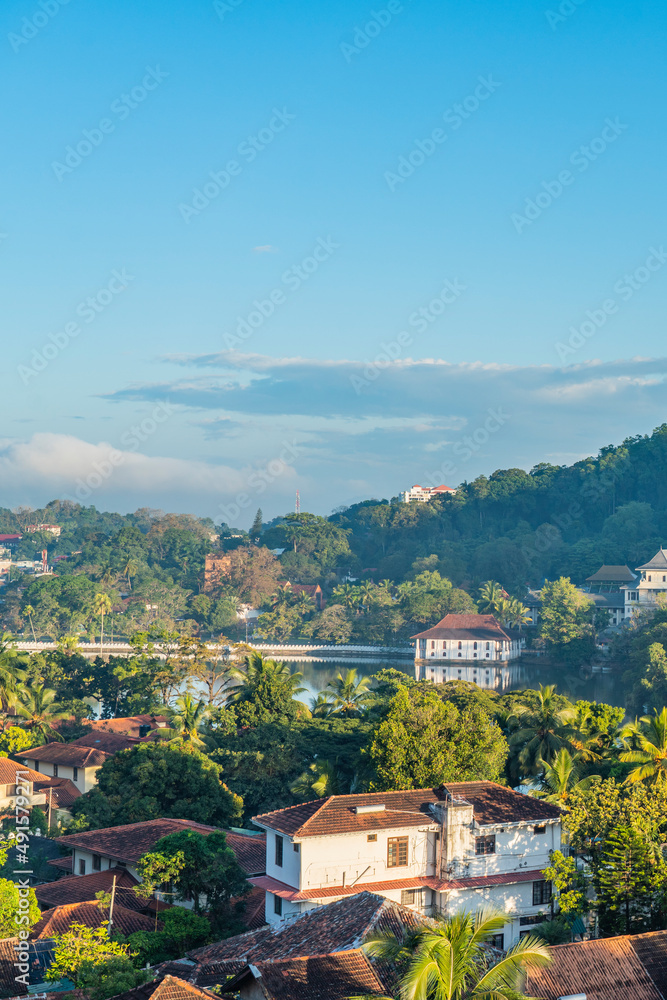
515, 527
520, 527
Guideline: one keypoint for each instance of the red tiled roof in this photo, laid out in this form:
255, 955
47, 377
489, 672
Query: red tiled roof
254, 913
9, 987
168, 988
336, 814
620, 968
130, 725
81, 888
317, 977
67, 753
63, 791
338, 926
8, 769
109, 742
483, 881
90, 913
64, 864
325, 892
480, 627
250, 852
129, 842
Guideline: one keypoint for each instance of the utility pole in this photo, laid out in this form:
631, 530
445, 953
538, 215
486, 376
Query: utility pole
113, 899
297, 505
50, 806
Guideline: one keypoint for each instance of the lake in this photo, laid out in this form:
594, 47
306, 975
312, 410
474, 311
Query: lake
576, 684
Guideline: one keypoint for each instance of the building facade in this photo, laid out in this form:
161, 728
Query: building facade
422, 494
464, 639
650, 589
438, 851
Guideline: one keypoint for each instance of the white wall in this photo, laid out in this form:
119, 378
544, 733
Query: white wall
86, 776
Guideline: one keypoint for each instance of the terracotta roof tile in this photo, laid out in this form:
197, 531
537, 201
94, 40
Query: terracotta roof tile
64, 792
127, 843
130, 725
338, 926
109, 742
9, 768
8, 985
81, 888
168, 987
67, 753
603, 969
317, 977
64, 864
483, 627
90, 913
336, 814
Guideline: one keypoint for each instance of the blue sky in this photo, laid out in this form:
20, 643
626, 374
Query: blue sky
423, 212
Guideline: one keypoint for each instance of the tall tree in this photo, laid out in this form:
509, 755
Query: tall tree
39, 710
186, 720
349, 694
101, 607
542, 730
256, 527
651, 751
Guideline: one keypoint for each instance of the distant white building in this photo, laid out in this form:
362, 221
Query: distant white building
459, 847
644, 595
425, 493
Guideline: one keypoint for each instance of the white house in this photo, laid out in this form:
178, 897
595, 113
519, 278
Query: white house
80, 760
463, 639
15, 779
423, 494
652, 584
459, 847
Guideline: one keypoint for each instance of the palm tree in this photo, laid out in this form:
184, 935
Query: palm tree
561, 778
68, 644
366, 590
320, 707
12, 669
542, 731
186, 721
282, 597
39, 710
346, 595
449, 962
29, 611
349, 694
257, 669
519, 614
651, 755
101, 607
321, 779
131, 568
490, 594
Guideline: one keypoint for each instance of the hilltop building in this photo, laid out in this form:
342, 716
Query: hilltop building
425, 493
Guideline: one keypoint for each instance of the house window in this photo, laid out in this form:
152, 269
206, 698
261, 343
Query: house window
497, 941
411, 897
474, 655
432, 644
36, 763
485, 845
649, 579
97, 863
539, 829
295, 848
460, 645
55, 770
279, 851
397, 852
487, 656
474, 645
538, 918
488, 645
278, 906
371, 837
82, 867
541, 893
75, 774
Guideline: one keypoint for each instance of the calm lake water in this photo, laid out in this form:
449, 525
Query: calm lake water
575, 684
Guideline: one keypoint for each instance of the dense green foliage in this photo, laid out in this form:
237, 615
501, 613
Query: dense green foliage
152, 780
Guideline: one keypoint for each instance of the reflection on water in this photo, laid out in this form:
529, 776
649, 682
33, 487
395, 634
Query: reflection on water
575, 684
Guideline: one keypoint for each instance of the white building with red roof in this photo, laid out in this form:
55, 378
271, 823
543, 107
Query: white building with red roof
651, 590
422, 494
440, 851
461, 641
